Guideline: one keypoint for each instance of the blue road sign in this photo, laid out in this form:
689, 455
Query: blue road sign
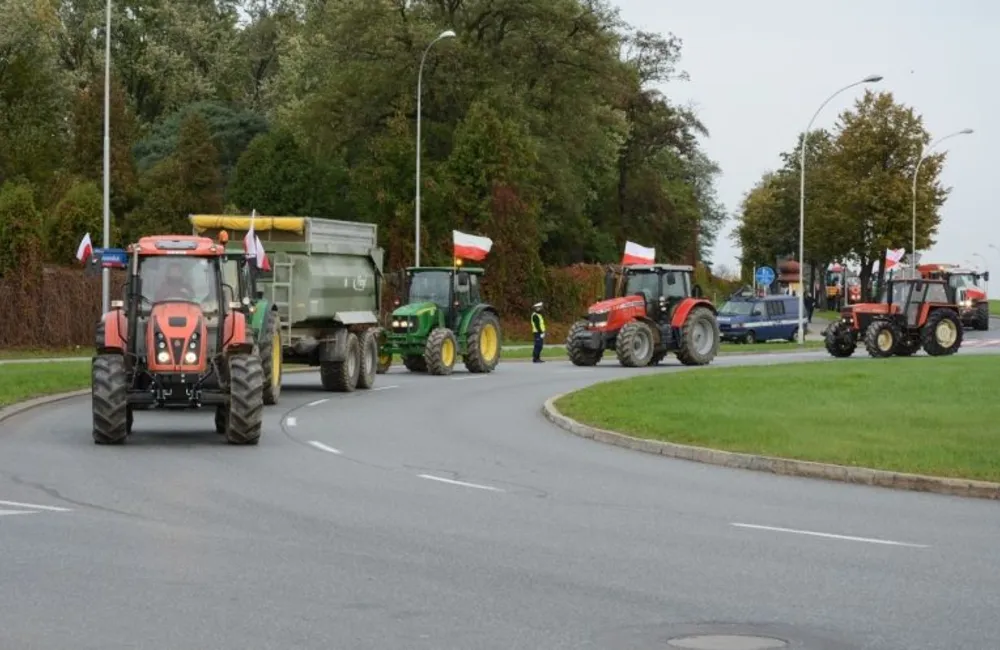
112, 258
765, 275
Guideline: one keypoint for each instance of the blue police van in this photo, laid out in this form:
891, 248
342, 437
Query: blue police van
751, 319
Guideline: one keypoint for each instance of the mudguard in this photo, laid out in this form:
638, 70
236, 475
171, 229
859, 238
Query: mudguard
684, 308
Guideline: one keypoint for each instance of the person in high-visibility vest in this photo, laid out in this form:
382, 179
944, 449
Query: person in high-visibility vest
538, 329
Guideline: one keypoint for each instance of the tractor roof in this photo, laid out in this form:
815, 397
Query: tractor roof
468, 269
188, 245
951, 269
657, 268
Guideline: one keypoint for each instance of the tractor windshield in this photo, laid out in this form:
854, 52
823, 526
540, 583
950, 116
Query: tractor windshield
963, 281
644, 283
170, 277
431, 286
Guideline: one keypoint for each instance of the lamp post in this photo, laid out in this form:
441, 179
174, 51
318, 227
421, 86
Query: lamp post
802, 201
420, 79
105, 272
916, 170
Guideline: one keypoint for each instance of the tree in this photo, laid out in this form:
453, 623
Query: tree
20, 231
78, 212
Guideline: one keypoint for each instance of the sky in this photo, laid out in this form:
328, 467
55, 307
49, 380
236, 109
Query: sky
759, 69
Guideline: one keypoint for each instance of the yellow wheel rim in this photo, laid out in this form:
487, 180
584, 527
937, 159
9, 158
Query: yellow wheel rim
884, 340
276, 360
448, 352
384, 359
488, 340
946, 333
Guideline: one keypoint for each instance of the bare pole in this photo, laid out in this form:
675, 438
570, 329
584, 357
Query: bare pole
105, 272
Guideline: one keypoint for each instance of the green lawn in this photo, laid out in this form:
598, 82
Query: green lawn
995, 307
934, 416
23, 381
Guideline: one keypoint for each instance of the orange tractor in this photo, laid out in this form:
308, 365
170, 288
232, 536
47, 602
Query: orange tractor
179, 339
648, 311
966, 291
912, 313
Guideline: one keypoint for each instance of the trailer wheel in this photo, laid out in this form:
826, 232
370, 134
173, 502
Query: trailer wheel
271, 357
246, 400
109, 399
369, 359
342, 376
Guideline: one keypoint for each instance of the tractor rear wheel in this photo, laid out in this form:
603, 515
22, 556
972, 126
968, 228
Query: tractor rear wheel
700, 338
415, 363
270, 356
369, 358
579, 354
942, 333
482, 343
109, 399
246, 400
342, 376
839, 340
635, 345
440, 351
982, 320
882, 338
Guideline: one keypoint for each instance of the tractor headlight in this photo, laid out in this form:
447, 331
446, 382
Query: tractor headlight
395, 323
190, 357
163, 357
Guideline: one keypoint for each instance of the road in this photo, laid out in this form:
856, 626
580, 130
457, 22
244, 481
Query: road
445, 512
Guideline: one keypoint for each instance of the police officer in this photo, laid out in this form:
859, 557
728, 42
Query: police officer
538, 329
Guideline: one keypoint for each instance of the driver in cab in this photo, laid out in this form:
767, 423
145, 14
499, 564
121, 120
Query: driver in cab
175, 285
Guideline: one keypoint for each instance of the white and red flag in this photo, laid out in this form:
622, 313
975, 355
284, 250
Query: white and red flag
892, 257
253, 246
636, 254
85, 249
470, 247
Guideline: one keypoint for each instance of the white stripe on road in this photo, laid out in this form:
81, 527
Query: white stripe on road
18, 512
462, 483
385, 387
319, 445
469, 377
33, 505
849, 538
290, 421
318, 402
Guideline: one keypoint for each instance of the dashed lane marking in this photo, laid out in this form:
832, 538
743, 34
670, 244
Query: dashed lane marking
449, 481
327, 448
849, 538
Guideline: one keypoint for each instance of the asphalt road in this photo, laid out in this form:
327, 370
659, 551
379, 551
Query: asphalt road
445, 512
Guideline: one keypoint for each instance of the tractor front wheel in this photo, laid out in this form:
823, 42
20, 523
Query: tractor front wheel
440, 351
942, 334
343, 375
246, 400
576, 346
882, 338
415, 363
369, 359
840, 341
109, 399
270, 356
635, 345
700, 338
482, 343
384, 356
982, 320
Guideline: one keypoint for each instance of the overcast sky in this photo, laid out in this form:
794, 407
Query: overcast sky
760, 68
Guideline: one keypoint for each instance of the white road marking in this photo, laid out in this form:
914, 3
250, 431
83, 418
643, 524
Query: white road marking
34, 505
469, 377
319, 445
18, 512
318, 402
462, 483
849, 538
290, 421
385, 387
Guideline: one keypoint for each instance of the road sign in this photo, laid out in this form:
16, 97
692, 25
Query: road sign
765, 276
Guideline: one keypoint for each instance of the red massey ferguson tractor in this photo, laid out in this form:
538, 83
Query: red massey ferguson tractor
648, 311
965, 290
177, 340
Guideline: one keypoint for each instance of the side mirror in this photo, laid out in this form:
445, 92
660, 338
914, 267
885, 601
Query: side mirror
986, 276
696, 291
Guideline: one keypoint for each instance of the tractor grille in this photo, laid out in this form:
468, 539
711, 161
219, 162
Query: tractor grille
597, 319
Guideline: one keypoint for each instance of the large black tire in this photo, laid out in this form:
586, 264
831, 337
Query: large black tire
635, 345
342, 376
369, 358
839, 340
415, 363
270, 356
700, 338
882, 338
99, 335
246, 400
942, 333
482, 343
109, 399
440, 351
578, 354
384, 358
221, 419
982, 320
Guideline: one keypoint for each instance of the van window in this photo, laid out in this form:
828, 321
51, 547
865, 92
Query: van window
775, 308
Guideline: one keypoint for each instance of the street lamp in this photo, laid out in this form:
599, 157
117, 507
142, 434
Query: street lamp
105, 272
420, 79
916, 170
802, 201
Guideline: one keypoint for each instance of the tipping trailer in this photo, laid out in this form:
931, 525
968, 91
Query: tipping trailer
323, 290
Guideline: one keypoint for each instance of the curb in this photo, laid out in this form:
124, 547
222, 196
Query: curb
782, 466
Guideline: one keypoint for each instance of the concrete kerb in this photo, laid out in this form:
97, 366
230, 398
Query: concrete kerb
783, 466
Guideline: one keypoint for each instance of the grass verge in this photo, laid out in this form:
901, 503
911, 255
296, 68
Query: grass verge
19, 382
933, 416
995, 307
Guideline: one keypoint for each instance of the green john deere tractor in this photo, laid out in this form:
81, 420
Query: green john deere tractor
262, 316
442, 317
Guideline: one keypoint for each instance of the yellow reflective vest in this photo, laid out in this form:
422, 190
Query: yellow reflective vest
537, 323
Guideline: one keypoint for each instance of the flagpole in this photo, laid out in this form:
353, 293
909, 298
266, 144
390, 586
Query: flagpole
105, 272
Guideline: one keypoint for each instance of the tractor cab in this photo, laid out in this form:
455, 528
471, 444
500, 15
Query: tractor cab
966, 288
661, 287
452, 290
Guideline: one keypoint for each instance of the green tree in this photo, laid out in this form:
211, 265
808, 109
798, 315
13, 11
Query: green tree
81, 210
21, 231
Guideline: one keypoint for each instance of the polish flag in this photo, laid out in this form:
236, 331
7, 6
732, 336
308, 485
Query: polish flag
636, 254
471, 247
85, 249
892, 257
253, 246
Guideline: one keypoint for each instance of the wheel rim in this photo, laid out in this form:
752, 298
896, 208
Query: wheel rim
448, 352
640, 345
488, 342
703, 337
384, 359
884, 340
372, 356
276, 361
946, 333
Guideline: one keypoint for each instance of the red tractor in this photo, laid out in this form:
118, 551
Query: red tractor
912, 313
179, 339
965, 290
648, 311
